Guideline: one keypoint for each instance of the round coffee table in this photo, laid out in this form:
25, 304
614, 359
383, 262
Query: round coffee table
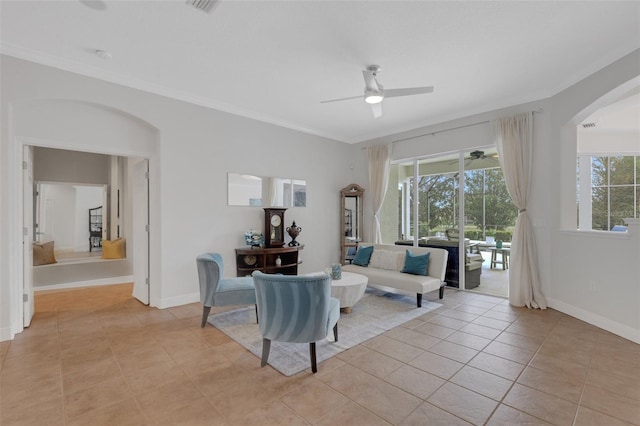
349, 289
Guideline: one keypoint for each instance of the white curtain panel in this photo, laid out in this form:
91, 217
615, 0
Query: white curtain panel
379, 164
514, 140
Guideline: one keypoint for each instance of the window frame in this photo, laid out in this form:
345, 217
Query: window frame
585, 187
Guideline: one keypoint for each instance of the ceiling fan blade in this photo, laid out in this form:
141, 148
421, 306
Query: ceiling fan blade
370, 81
377, 109
342, 99
390, 93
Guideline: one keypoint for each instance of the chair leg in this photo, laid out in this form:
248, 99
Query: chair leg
205, 315
312, 354
441, 291
335, 332
419, 299
257, 320
266, 347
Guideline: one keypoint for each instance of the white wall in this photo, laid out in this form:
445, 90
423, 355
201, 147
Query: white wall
191, 150
593, 276
596, 276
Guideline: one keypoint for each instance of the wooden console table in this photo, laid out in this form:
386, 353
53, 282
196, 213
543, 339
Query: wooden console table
266, 260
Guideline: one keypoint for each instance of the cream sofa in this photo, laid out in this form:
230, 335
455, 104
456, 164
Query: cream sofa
388, 260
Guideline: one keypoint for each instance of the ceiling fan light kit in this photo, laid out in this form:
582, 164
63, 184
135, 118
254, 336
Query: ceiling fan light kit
371, 97
374, 92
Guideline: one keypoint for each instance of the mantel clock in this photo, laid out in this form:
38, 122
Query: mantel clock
274, 227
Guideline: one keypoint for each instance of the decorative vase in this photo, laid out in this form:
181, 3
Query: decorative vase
278, 261
336, 271
253, 238
293, 232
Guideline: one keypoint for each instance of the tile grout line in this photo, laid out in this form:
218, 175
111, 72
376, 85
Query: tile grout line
513, 382
556, 323
528, 365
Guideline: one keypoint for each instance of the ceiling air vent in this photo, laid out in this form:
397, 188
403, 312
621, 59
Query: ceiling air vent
588, 125
204, 5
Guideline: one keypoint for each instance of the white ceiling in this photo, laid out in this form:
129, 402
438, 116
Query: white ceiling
275, 61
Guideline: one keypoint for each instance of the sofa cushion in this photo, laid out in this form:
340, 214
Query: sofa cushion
43, 254
394, 279
416, 264
386, 259
363, 256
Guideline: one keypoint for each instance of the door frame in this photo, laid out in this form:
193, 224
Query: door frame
28, 234
140, 231
15, 256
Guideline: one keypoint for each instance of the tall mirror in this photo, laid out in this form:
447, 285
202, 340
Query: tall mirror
351, 221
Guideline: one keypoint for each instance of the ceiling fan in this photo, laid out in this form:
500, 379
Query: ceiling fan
476, 155
374, 93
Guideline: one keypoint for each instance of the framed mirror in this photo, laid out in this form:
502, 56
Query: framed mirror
351, 221
265, 191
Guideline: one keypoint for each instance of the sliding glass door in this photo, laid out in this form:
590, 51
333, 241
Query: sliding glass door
457, 201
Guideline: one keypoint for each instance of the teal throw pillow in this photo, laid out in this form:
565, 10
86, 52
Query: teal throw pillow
363, 256
416, 264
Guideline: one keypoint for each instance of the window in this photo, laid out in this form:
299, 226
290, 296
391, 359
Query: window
488, 209
608, 166
613, 183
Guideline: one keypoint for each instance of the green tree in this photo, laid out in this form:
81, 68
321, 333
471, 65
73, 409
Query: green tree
486, 196
613, 184
437, 204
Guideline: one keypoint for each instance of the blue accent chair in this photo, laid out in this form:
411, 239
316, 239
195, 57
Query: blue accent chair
218, 291
297, 309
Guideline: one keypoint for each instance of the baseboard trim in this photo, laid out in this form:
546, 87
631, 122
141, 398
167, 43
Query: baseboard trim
183, 299
102, 281
5, 334
614, 327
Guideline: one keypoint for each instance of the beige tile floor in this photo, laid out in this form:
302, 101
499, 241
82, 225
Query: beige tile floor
95, 356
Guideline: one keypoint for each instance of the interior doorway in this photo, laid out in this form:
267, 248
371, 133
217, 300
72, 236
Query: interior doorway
125, 214
78, 125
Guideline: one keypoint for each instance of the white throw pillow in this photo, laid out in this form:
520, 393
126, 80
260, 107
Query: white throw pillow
386, 259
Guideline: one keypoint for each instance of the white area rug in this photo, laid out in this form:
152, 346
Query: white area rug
374, 314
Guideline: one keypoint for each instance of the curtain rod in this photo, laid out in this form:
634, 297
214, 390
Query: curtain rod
536, 111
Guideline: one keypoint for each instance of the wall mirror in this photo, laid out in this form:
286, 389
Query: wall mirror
351, 221
265, 191
74, 216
